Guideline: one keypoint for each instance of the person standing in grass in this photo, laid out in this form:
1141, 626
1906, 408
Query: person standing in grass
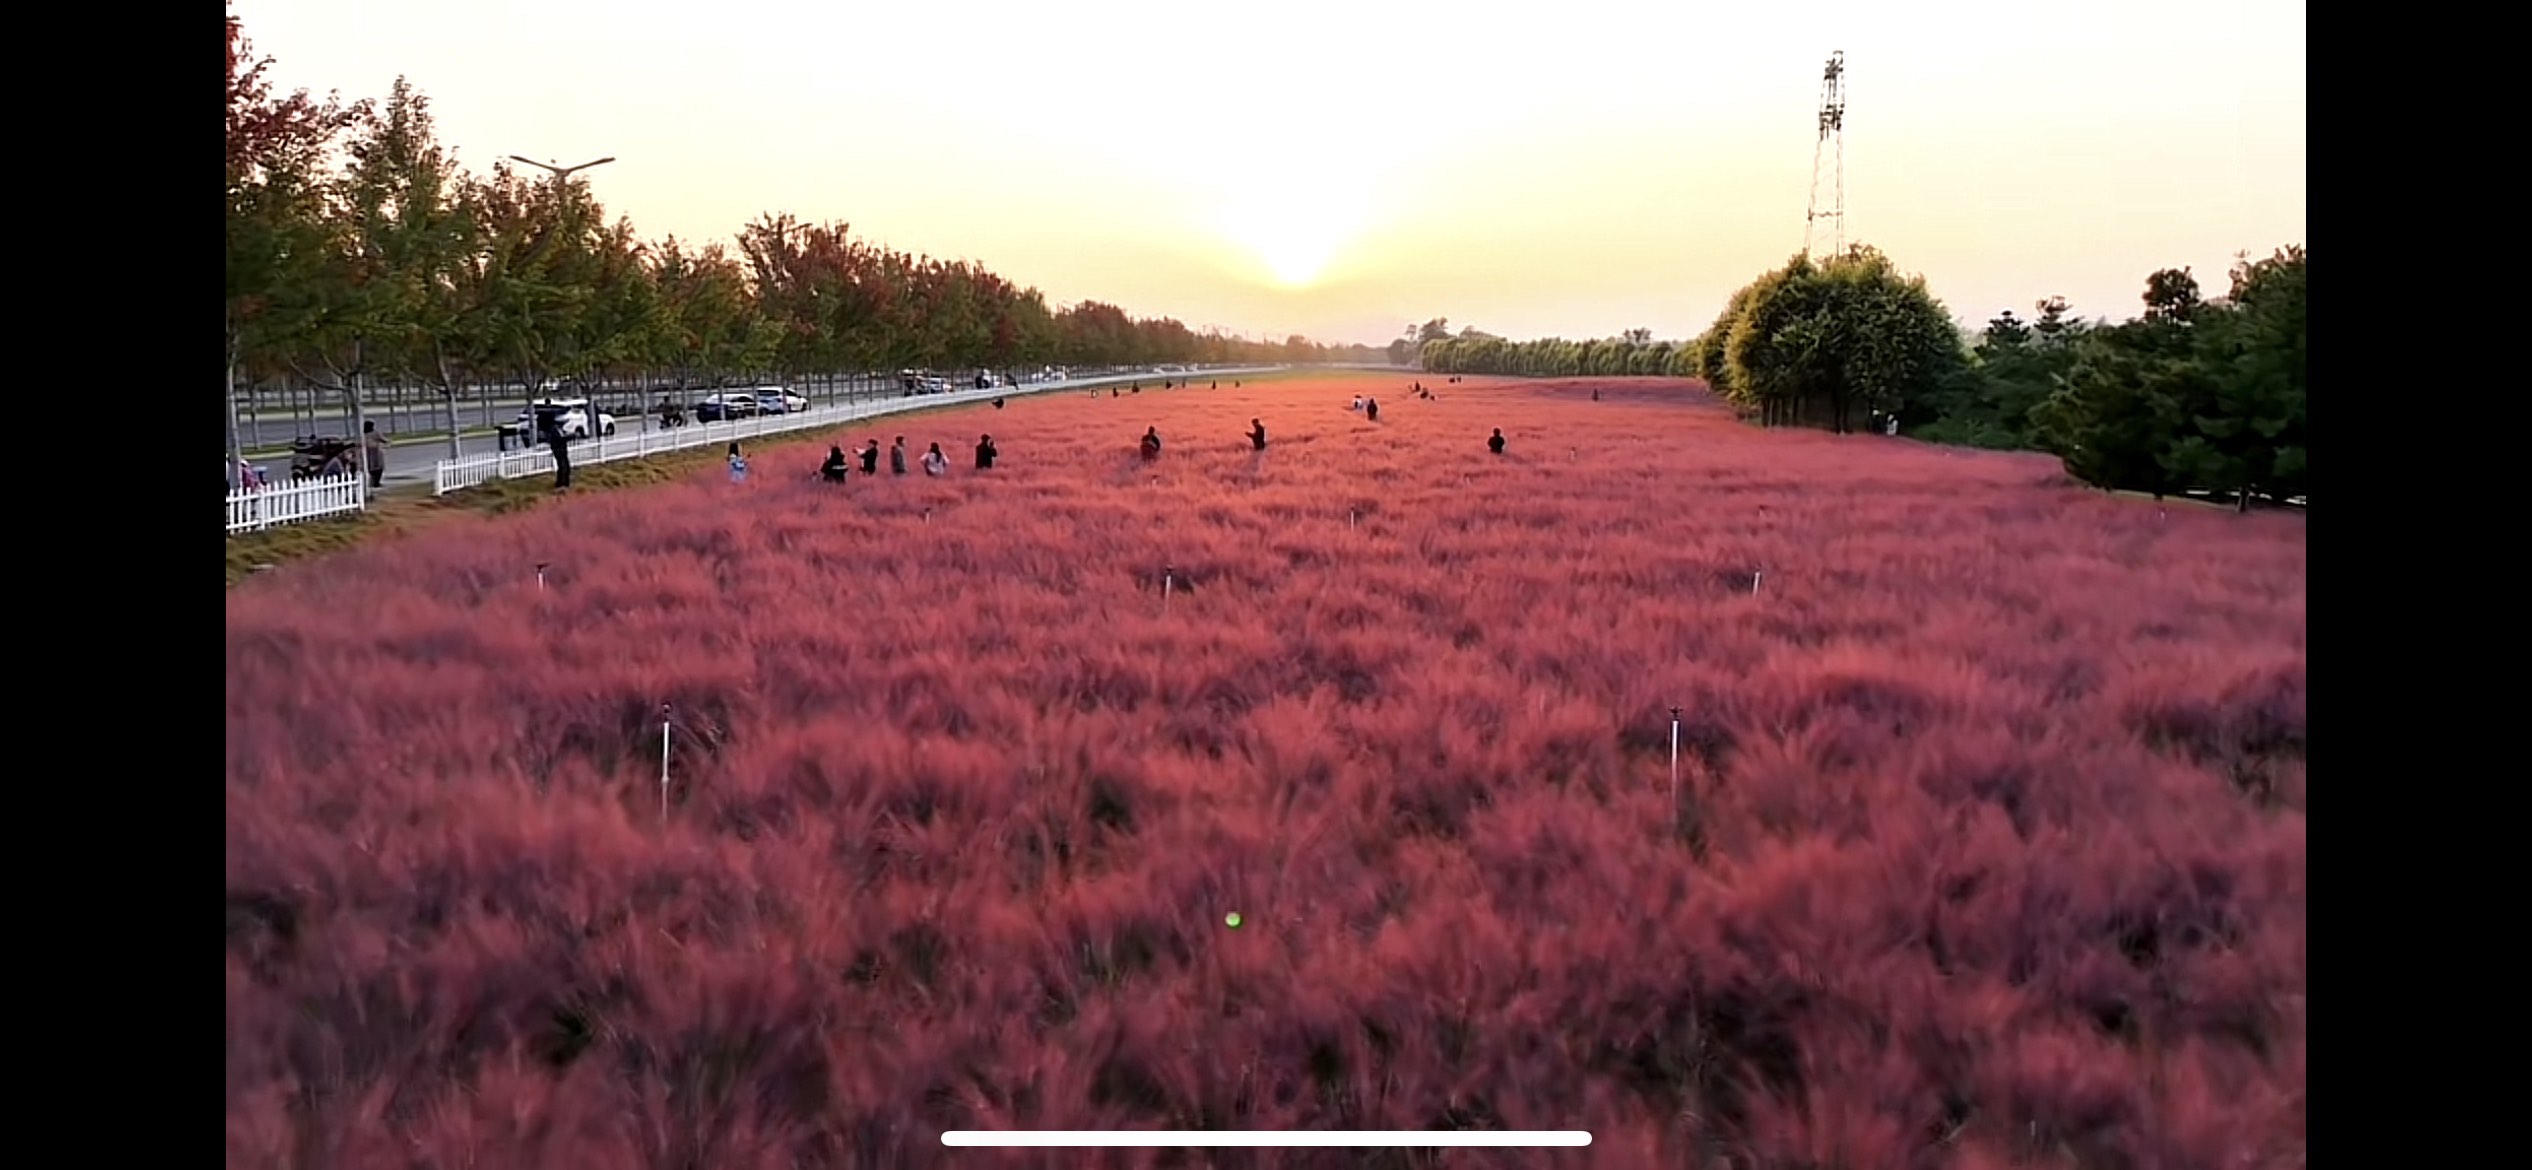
738, 465
935, 463
1151, 443
836, 466
985, 452
897, 457
1371, 410
1256, 435
1495, 444
870, 458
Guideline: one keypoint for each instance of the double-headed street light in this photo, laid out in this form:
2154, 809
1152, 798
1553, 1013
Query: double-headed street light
561, 175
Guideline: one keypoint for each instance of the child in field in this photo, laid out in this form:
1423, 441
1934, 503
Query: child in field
935, 463
1495, 444
738, 465
985, 452
870, 458
1151, 443
1256, 435
835, 467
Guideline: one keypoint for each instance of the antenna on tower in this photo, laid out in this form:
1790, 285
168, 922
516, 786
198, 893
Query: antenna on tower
1829, 149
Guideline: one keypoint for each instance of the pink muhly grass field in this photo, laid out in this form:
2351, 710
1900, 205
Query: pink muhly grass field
1988, 848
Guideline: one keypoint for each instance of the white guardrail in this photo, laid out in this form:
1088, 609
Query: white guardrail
455, 474
256, 509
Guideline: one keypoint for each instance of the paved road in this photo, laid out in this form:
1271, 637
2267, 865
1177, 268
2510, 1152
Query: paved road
410, 463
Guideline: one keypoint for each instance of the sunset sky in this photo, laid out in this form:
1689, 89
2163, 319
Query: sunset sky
1343, 168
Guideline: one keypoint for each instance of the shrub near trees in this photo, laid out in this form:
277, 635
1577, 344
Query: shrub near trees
361, 253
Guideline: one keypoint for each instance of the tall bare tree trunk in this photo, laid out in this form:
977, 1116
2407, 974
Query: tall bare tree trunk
237, 447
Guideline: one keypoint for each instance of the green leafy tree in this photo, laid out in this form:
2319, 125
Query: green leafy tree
2248, 424
2171, 294
278, 151
1827, 343
2121, 409
407, 195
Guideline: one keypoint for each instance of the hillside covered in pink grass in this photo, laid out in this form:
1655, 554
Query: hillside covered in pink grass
1986, 848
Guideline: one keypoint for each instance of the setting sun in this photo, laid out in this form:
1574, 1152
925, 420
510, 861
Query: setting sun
1294, 229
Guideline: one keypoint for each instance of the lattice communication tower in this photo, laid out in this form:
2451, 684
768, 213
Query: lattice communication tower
1828, 164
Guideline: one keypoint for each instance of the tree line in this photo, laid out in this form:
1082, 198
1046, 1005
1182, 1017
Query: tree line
361, 253
2191, 395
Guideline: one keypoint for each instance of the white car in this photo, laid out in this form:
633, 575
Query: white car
777, 400
571, 417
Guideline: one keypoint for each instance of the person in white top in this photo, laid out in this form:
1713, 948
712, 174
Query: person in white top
935, 463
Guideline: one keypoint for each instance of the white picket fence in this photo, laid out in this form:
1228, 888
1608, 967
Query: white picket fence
256, 509
454, 474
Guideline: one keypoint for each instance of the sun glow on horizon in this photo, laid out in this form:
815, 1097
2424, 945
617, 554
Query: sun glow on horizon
1297, 227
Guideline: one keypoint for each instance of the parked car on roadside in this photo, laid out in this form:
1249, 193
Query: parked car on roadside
779, 400
570, 415
728, 406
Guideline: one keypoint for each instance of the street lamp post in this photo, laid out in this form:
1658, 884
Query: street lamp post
561, 175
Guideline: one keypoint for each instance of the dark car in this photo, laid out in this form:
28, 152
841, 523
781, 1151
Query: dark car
727, 406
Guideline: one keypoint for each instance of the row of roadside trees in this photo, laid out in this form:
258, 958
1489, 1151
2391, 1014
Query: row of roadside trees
360, 254
2194, 394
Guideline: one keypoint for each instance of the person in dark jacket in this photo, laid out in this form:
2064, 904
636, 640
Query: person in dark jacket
1256, 435
1151, 443
897, 457
870, 458
561, 450
1371, 409
374, 445
985, 452
1495, 444
836, 466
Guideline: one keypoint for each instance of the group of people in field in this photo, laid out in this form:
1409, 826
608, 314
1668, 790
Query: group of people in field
839, 466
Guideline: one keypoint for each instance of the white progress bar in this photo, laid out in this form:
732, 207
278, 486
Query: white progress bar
1150, 1138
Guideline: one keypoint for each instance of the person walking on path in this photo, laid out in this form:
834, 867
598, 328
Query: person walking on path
1495, 444
870, 458
375, 446
738, 465
897, 457
985, 452
935, 463
1256, 435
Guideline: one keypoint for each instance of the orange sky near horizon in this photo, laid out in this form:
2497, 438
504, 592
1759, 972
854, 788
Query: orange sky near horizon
1343, 169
